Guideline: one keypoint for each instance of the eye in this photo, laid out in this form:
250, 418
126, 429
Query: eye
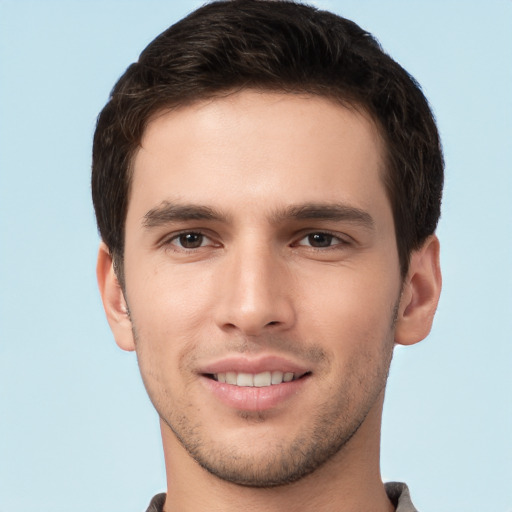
190, 240
320, 240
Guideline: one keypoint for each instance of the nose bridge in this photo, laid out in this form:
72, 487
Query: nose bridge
254, 293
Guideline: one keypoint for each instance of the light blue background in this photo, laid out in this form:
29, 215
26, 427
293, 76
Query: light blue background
76, 429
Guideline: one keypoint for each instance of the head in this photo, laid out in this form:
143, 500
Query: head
267, 183
285, 47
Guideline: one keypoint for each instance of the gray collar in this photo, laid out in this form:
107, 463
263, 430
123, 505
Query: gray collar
397, 492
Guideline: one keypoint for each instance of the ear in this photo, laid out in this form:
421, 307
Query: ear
420, 294
113, 299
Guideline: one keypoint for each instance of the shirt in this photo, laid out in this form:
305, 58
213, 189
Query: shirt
398, 494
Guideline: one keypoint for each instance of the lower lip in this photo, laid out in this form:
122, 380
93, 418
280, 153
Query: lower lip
253, 398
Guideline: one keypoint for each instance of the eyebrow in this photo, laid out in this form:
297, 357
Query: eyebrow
168, 212
325, 211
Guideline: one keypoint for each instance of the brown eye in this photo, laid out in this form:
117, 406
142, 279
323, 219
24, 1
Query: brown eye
190, 240
320, 239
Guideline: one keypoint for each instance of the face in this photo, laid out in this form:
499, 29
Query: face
262, 280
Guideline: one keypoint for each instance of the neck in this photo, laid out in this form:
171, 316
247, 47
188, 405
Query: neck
350, 481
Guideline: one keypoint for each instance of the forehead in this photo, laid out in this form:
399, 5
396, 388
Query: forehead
261, 150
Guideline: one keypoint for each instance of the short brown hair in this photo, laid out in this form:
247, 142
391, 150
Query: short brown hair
276, 46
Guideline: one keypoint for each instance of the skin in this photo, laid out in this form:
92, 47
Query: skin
295, 259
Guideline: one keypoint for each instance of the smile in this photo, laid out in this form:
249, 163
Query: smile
258, 380
258, 390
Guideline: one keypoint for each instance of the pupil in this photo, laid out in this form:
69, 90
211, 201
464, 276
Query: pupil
320, 240
191, 240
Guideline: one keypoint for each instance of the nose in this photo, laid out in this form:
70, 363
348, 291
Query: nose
255, 293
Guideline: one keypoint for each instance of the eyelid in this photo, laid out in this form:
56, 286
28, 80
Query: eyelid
167, 240
341, 237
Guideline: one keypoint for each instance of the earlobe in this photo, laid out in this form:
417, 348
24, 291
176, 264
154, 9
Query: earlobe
420, 294
113, 299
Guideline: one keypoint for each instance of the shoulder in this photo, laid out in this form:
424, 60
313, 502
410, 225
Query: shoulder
157, 503
399, 495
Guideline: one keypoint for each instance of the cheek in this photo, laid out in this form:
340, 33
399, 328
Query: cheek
350, 308
167, 305
168, 316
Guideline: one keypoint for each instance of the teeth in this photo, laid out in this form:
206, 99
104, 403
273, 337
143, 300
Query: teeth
258, 380
287, 377
230, 377
245, 379
277, 377
262, 379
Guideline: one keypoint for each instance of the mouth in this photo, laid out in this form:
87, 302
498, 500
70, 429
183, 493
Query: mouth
257, 380
261, 383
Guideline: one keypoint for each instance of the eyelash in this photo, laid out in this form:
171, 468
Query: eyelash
341, 241
177, 236
333, 236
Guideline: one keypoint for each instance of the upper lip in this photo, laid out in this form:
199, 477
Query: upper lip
240, 364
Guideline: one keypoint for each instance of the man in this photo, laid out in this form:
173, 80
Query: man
267, 184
